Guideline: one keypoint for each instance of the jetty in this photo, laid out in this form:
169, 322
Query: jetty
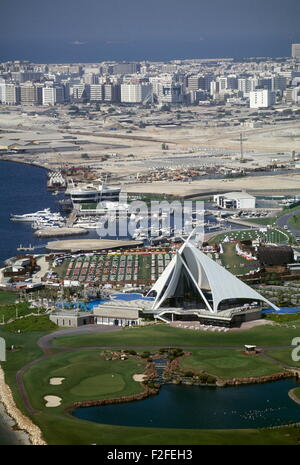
89, 245
59, 232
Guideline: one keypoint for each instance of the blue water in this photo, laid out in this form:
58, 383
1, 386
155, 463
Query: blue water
56, 50
123, 297
23, 190
282, 311
181, 406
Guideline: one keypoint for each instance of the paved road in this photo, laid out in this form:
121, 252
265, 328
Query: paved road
283, 220
45, 341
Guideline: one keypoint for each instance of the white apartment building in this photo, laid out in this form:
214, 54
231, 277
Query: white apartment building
136, 93
9, 93
261, 98
227, 82
53, 95
246, 85
296, 51
96, 93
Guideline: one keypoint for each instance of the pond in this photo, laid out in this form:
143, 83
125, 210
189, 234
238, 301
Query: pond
201, 407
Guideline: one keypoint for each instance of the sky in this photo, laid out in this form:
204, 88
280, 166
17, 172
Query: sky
152, 29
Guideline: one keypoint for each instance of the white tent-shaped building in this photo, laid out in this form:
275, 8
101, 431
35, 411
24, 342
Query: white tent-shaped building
194, 281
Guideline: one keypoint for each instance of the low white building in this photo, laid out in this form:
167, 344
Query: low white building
238, 200
116, 313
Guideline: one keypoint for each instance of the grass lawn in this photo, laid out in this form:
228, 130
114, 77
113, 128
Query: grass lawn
236, 264
228, 363
7, 298
164, 336
8, 312
32, 323
294, 221
61, 428
26, 349
274, 235
87, 376
297, 392
284, 318
262, 221
284, 355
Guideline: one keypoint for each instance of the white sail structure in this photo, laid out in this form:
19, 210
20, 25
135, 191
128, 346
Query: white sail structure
209, 282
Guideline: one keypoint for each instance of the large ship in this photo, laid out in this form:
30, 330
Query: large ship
92, 194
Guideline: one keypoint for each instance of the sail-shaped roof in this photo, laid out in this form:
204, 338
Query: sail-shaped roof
204, 275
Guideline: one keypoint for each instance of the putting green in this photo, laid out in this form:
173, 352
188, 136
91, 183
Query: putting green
100, 384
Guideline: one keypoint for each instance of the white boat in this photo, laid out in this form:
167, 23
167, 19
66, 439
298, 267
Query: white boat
29, 217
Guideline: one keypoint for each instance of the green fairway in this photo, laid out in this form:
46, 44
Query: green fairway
228, 363
99, 385
87, 376
284, 355
90, 375
164, 335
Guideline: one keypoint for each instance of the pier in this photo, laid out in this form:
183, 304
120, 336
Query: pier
60, 232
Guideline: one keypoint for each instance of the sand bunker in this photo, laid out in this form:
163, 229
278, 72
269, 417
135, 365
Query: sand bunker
139, 378
52, 401
56, 381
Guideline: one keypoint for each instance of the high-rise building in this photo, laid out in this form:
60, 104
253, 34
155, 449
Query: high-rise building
53, 95
170, 93
296, 51
246, 85
31, 94
278, 83
194, 83
261, 98
227, 83
80, 92
9, 93
136, 93
96, 92
112, 92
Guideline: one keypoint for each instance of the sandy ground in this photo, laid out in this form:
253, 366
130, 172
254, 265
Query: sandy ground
52, 401
56, 381
289, 181
134, 152
139, 378
22, 422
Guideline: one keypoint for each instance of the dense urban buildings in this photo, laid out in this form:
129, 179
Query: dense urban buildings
256, 83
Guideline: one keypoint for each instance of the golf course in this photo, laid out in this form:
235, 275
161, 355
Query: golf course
86, 371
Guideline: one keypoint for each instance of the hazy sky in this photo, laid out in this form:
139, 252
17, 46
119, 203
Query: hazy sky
131, 23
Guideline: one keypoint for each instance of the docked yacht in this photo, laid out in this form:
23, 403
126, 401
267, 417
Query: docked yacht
30, 217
